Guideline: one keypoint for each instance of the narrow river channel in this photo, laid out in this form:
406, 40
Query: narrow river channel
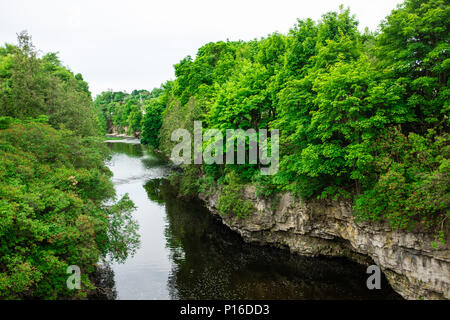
185, 253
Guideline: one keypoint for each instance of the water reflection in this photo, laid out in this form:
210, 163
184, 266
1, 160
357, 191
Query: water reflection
103, 279
187, 254
210, 262
145, 275
130, 147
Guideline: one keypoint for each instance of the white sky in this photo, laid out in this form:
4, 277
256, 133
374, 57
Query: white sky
131, 44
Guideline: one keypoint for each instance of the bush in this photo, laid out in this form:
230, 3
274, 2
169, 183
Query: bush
414, 182
53, 186
230, 201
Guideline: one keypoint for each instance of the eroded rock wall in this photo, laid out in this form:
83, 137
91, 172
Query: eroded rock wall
413, 267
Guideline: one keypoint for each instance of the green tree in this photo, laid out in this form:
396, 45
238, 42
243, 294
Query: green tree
33, 86
53, 190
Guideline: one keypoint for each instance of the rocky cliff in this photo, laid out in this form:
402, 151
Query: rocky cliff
412, 266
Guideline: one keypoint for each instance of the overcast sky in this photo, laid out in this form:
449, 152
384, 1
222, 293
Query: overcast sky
131, 44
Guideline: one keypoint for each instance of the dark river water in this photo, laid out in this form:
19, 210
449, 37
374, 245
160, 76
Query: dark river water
185, 253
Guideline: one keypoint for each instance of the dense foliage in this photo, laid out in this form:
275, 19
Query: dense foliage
137, 114
31, 86
120, 112
57, 202
152, 119
230, 201
362, 116
52, 190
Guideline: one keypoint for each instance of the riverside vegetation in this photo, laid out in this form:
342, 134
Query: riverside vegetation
362, 116
57, 203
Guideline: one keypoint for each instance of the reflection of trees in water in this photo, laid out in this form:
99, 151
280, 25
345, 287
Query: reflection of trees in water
211, 262
148, 158
153, 189
103, 279
152, 161
130, 149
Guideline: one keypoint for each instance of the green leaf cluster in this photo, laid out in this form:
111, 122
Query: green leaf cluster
31, 86
53, 187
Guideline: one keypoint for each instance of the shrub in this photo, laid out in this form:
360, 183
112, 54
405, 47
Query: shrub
230, 201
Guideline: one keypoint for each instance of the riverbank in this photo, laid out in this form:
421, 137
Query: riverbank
187, 253
326, 228
414, 267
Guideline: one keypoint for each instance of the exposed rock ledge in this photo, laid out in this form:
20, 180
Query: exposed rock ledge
414, 269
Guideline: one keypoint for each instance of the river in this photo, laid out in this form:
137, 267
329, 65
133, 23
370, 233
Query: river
186, 253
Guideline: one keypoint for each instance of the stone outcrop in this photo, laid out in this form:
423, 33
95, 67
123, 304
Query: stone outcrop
412, 266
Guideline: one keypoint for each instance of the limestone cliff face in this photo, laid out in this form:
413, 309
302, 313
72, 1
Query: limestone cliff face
413, 268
